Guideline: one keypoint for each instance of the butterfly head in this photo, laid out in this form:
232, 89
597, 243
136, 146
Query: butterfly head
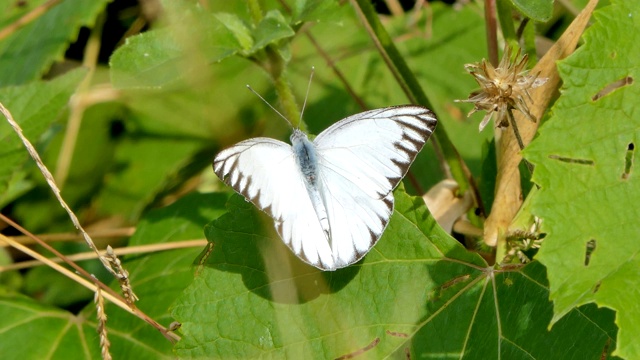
298, 136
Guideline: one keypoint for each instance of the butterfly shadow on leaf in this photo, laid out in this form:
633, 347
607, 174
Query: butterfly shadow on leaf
245, 242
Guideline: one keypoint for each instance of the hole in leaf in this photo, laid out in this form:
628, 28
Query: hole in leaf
397, 334
605, 349
596, 288
628, 161
436, 293
407, 353
455, 281
628, 80
572, 160
116, 128
590, 248
360, 351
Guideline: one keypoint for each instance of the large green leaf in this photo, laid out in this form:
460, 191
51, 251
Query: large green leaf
189, 45
417, 294
34, 107
35, 331
585, 164
191, 42
29, 52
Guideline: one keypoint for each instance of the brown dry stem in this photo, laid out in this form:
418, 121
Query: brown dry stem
508, 191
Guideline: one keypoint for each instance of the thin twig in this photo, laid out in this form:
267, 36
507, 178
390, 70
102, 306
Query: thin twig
492, 31
395, 8
385, 56
60, 237
516, 132
27, 18
138, 24
89, 61
331, 63
141, 249
512, 121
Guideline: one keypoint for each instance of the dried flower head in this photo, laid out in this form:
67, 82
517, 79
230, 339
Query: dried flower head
503, 88
519, 242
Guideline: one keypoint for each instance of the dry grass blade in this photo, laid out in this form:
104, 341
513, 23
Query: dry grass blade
56, 191
102, 325
62, 237
66, 272
141, 249
108, 293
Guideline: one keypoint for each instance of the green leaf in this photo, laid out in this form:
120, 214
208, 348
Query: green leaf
417, 294
238, 28
34, 107
586, 166
272, 28
27, 53
160, 57
146, 60
538, 10
142, 168
34, 331
314, 10
203, 111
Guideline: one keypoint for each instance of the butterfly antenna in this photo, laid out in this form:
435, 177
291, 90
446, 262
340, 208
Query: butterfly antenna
266, 102
304, 105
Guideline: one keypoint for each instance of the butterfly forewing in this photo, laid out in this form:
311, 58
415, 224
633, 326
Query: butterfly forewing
264, 171
361, 159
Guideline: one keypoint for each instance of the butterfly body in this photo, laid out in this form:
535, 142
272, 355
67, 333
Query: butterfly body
307, 160
331, 199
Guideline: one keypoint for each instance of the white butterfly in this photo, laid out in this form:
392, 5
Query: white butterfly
330, 199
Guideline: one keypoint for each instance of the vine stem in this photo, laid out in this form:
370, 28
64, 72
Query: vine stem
453, 164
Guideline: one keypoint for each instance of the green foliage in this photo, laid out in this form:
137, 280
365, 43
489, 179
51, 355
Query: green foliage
160, 277
175, 96
36, 331
35, 107
253, 298
538, 10
586, 169
27, 54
